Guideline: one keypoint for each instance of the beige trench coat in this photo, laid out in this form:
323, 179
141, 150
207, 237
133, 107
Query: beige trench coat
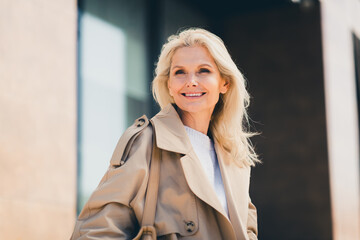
115, 208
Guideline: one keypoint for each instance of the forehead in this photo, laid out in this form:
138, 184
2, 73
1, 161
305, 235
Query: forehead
192, 55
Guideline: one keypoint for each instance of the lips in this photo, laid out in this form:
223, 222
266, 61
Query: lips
199, 94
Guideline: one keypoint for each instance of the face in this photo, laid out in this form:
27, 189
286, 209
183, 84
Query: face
195, 82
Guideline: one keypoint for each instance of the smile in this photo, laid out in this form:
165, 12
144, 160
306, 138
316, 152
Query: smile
193, 94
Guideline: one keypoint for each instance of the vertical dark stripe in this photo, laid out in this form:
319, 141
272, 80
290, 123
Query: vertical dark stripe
80, 5
154, 43
356, 44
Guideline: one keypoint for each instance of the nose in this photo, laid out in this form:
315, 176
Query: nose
192, 81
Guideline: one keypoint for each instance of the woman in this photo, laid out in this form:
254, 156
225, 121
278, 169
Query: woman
204, 151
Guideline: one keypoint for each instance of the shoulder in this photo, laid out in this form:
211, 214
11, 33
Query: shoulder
138, 134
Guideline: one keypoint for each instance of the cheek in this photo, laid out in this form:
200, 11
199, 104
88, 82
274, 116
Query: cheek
173, 86
169, 86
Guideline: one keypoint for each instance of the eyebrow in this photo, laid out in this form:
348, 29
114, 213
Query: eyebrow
201, 65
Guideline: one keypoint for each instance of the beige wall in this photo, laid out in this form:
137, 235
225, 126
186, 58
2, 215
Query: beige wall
37, 118
339, 20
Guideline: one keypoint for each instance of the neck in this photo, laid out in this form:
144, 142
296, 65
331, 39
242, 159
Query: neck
198, 121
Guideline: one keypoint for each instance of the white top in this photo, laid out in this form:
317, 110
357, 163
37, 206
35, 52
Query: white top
204, 149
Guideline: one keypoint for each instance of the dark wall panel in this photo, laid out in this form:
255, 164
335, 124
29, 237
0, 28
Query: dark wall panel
279, 51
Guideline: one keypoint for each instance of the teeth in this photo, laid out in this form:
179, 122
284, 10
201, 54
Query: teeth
193, 94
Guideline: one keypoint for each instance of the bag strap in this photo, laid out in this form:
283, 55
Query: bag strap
153, 186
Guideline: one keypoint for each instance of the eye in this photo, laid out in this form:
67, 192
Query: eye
179, 72
204, 70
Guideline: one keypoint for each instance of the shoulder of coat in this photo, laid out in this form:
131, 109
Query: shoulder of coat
127, 139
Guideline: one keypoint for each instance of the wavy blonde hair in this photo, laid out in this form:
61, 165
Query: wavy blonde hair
229, 120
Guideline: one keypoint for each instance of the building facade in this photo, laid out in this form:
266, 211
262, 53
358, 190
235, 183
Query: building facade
75, 75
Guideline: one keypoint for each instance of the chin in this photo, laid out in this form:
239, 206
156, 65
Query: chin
193, 108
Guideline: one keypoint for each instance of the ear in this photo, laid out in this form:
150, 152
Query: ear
224, 86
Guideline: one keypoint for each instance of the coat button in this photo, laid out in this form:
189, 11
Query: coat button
190, 226
140, 122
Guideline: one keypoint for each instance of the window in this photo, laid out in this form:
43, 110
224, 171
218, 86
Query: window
113, 88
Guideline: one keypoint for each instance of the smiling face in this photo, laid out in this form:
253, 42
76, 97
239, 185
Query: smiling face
195, 82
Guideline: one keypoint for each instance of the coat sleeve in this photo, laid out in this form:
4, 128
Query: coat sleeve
252, 230
115, 208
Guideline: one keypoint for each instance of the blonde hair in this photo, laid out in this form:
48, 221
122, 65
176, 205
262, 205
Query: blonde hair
230, 119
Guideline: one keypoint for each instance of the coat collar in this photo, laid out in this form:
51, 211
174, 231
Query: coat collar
171, 136
170, 132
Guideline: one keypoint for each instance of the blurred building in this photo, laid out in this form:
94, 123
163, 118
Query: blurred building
75, 75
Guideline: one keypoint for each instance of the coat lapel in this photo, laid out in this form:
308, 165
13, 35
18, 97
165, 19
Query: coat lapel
171, 136
235, 180
199, 183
